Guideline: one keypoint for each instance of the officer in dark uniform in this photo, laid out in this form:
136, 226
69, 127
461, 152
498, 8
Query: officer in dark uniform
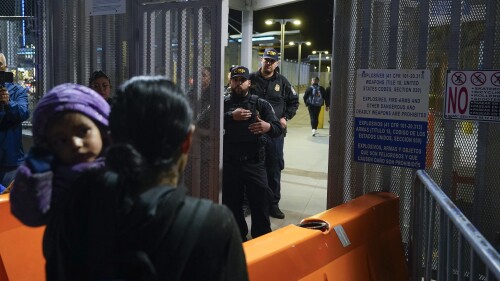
270, 85
246, 120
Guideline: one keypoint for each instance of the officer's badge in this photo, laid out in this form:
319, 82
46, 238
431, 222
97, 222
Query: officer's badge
293, 91
277, 87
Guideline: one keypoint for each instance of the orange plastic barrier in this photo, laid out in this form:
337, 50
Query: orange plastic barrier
362, 242
21, 255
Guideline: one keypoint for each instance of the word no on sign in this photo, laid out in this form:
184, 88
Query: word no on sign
472, 95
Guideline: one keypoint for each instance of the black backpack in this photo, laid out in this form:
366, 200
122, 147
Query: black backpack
316, 97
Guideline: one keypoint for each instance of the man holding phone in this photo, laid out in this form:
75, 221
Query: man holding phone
13, 111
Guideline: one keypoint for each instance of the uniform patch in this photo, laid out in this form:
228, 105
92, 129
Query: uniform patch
277, 87
293, 91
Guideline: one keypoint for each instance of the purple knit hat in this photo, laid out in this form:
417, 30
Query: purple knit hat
68, 97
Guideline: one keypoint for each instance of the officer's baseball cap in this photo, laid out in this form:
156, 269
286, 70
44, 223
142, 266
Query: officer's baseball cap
270, 53
240, 71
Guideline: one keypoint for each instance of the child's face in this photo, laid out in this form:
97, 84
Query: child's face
75, 138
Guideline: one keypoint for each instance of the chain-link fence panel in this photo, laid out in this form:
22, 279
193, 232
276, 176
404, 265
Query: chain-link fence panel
179, 42
438, 35
80, 43
176, 40
18, 38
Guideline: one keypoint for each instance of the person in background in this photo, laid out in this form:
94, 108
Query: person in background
69, 133
328, 95
314, 98
247, 119
200, 101
270, 85
227, 88
13, 111
136, 222
101, 83
328, 91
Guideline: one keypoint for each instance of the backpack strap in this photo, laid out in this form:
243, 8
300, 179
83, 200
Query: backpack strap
252, 100
186, 230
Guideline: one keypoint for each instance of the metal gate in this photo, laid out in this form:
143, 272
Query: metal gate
462, 156
182, 41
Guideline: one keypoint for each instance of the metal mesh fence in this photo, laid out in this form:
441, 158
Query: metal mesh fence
17, 42
176, 40
437, 35
79, 44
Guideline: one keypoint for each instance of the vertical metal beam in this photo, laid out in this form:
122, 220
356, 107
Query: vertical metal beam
449, 125
482, 178
365, 35
169, 60
134, 37
43, 20
246, 38
364, 59
392, 53
342, 34
422, 64
393, 34
218, 73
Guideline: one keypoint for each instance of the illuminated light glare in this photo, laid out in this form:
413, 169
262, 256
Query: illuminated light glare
260, 39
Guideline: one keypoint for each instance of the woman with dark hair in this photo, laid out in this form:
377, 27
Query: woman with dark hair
101, 83
136, 223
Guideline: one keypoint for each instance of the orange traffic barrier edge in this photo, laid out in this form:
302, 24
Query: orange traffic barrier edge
21, 256
363, 242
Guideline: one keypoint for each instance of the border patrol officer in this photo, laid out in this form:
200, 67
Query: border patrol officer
247, 119
270, 85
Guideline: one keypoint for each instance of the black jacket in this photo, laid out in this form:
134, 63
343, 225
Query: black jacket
106, 234
237, 136
322, 91
278, 92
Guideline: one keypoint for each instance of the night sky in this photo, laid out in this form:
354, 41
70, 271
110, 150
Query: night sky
317, 23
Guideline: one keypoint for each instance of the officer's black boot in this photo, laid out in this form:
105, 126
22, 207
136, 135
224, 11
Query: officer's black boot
275, 212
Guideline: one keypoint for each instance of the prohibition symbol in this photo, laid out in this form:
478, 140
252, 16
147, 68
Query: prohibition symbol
478, 78
459, 78
495, 79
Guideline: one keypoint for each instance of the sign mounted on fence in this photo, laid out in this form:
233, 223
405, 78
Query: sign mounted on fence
472, 95
105, 7
391, 111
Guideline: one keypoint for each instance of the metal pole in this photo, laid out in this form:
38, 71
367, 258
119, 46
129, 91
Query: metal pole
298, 72
319, 66
282, 45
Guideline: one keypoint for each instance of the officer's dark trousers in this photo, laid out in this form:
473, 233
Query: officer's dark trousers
314, 114
252, 174
274, 164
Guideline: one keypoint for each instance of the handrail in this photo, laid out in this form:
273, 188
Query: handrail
481, 246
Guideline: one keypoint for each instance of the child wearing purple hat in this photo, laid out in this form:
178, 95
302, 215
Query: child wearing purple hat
69, 128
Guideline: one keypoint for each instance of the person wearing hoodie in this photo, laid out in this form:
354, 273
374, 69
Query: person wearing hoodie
69, 134
314, 98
